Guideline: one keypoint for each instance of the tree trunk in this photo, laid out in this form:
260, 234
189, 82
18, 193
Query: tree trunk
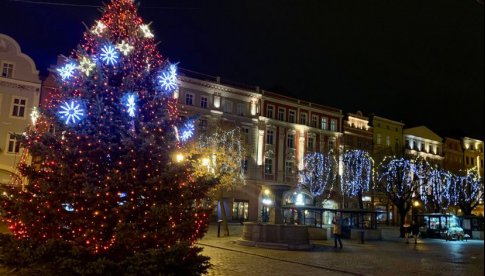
402, 218
361, 203
225, 226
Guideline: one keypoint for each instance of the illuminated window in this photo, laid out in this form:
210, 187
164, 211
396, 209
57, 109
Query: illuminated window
7, 70
333, 125
240, 209
324, 123
388, 140
18, 107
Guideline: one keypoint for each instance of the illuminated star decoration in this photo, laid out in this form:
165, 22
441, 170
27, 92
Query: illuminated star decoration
168, 78
146, 31
109, 55
71, 112
86, 66
66, 71
99, 28
130, 103
187, 131
124, 47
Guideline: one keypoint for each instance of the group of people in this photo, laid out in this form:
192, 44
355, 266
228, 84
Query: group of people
411, 230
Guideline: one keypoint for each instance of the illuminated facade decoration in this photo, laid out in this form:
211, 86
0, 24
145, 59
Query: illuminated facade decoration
19, 94
421, 141
472, 154
358, 134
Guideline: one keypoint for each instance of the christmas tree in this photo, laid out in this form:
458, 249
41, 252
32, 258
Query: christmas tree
103, 179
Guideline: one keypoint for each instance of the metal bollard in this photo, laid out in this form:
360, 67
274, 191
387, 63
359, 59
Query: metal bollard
219, 228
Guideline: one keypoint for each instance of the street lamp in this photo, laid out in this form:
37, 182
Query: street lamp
413, 211
267, 201
179, 157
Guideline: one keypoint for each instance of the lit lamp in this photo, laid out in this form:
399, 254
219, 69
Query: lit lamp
415, 205
179, 157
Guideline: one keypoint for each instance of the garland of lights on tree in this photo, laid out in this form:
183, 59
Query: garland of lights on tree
103, 174
319, 174
357, 172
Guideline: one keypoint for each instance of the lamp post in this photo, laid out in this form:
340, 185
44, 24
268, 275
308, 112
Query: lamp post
414, 209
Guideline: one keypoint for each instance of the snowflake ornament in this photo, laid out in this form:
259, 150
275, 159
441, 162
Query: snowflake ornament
187, 131
146, 31
124, 47
130, 104
71, 112
99, 29
168, 78
67, 71
86, 66
109, 55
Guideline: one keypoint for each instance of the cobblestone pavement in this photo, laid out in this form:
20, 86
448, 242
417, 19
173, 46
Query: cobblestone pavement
391, 256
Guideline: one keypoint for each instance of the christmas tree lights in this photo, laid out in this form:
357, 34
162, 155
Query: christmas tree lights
104, 180
319, 174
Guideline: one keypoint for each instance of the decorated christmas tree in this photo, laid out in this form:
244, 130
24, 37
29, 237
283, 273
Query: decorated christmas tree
103, 180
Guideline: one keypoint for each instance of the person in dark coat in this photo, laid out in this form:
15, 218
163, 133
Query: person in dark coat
415, 231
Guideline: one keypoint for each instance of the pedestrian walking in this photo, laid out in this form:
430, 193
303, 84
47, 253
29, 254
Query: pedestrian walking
337, 231
415, 231
407, 231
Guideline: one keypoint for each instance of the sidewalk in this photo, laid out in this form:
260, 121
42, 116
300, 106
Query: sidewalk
391, 256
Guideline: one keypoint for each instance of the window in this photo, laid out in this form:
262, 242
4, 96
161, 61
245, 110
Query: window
281, 114
331, 144
204, 102
203, 125
240, 210
7, 70
240, 109
291, 116
378, 138
290, 168
227, 106
303, 118
269, 137
13, 143
268, 166
291, 141
314, 121
311, 144
269, 111
388, 140
189, 99
324, 123
18, 107
244, 166
333, 125
245, 134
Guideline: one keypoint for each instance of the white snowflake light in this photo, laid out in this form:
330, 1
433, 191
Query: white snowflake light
109, 55
124, 47
86, 66
67, 71
146, 31
168, 79
130, 103
99, 28
187, 131
71, 111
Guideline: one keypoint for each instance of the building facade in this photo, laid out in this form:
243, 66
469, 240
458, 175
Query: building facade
453, 155
472, 154
388, 137
422, 142
19, 93
358, 134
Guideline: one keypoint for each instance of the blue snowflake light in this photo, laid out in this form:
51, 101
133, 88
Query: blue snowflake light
71, 112
129, 100
109, 55
187, 131
68, 207
168, 78
67, 71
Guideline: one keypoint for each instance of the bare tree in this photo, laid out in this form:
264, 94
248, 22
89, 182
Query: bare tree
435, 193
467, 191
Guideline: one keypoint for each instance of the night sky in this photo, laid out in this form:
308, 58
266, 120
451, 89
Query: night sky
416, 61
